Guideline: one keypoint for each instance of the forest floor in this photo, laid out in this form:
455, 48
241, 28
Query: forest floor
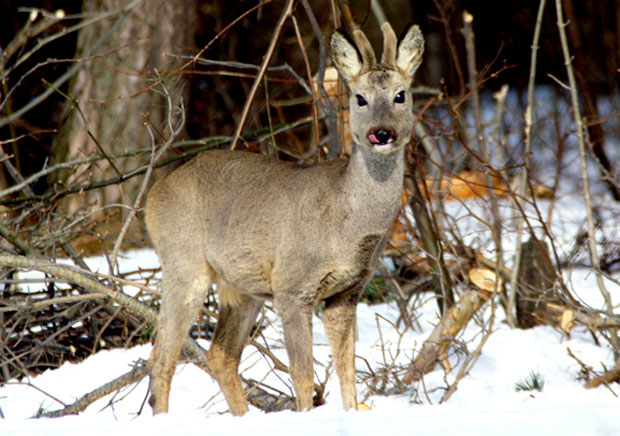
487, 400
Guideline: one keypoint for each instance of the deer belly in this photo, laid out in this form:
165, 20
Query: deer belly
246, 274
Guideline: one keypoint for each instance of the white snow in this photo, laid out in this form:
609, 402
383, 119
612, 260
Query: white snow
485, 403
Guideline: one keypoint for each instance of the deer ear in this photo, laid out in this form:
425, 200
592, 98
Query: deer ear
345, 56
410, 50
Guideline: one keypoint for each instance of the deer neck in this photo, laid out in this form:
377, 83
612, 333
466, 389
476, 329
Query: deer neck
374, 182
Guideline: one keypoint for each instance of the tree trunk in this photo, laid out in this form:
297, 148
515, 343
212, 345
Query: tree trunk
112, 91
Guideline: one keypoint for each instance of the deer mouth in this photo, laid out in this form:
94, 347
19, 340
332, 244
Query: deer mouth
382, 139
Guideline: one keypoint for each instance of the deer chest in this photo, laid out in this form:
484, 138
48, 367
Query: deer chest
356, 270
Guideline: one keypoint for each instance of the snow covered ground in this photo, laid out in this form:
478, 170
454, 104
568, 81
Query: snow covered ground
485, 403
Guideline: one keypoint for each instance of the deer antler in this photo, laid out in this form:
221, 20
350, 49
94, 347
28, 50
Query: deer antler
368, 54
388, 58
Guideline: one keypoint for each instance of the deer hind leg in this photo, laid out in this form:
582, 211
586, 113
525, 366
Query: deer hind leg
296, 320
339, 319
236, 318
183, 295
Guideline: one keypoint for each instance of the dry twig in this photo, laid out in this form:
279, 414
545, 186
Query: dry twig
594, 258
286, 13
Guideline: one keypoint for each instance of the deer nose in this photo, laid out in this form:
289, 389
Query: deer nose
381, 136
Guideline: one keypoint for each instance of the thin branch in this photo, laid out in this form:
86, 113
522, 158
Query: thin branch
315, 115
135, 375
288, 10
15, 240
241, 65
174, 132
85, 22
454, 52
125, 11
378, 12
332, 116
510, 311
52, 301
14, 172
198, 145
430, 240
73, 275
594, 259
90, 134
496, 227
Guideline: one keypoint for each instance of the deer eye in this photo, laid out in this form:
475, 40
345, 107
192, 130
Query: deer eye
361, 101
400, 97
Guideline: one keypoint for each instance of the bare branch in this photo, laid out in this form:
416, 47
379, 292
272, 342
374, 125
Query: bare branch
174, 132
286, 13
134, 376
594, 258
123, 14
72, 275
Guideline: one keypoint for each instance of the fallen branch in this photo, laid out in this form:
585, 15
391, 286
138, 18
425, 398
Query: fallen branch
78, 277
51, 302
434, 348
135, 375
611, 376
471, 359
592, 320
257, 396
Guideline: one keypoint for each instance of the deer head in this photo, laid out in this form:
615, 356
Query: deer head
380, 101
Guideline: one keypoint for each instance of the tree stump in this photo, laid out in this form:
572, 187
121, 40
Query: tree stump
536, 285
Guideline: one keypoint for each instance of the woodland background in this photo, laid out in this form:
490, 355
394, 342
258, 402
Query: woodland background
101, 97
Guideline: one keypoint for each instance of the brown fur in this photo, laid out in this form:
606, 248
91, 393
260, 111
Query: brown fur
263, 229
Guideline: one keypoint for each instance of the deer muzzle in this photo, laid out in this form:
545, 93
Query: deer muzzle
382, 138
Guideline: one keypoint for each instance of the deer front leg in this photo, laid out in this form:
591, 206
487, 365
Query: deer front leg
296, 320
339, 319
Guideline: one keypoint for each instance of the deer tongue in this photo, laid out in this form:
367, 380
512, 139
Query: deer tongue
380, 146
373, 139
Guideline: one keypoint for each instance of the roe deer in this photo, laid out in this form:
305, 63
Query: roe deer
261, 228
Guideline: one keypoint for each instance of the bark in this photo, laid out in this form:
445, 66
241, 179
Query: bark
536, 284
113, 94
